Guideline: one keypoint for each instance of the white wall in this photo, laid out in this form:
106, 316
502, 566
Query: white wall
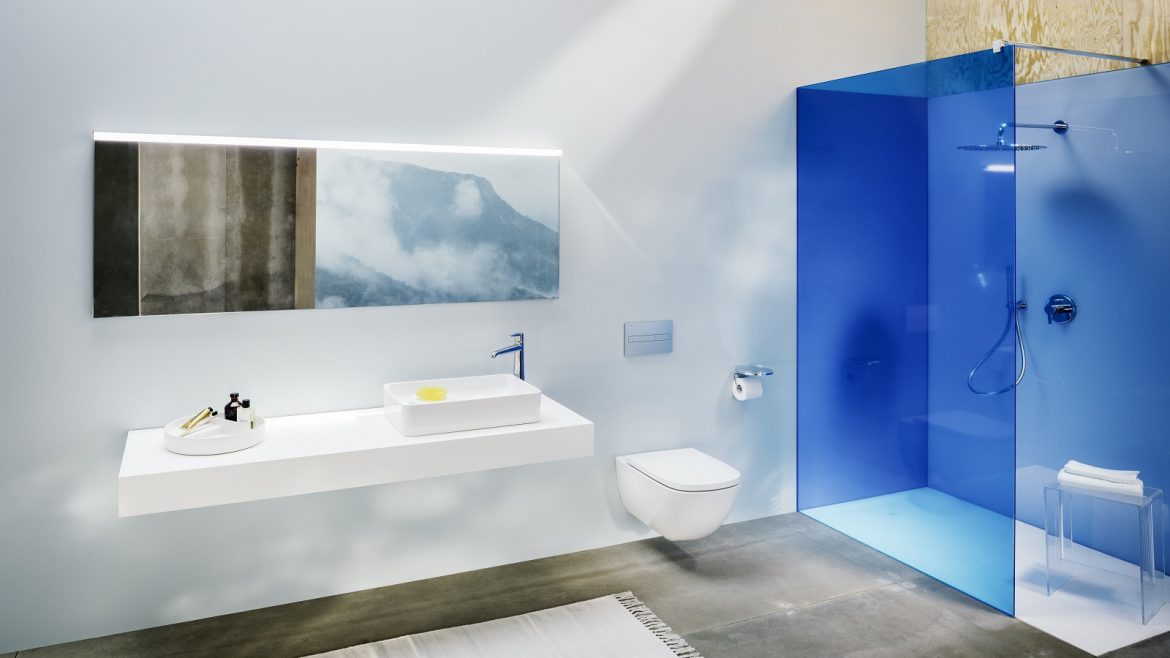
677, 123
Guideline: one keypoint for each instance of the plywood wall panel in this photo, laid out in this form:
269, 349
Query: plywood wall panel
1146, 28
1126, 27
1093, 25
954, 27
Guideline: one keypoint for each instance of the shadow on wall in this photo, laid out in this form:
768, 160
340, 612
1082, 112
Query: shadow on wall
752, 231
868, 370
614, 58
1093, 225
258, 550
665, 172
745, 217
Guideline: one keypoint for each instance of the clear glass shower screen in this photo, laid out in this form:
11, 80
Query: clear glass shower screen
1094, 225
905, 260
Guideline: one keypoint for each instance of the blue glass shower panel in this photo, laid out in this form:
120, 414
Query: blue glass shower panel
905, 246
971, 437
1094, 223
863, 278
861, 271
978, 71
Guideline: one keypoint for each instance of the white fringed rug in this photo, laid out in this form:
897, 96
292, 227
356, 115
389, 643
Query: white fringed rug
614, 625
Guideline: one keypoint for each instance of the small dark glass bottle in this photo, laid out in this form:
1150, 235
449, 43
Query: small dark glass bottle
230, 411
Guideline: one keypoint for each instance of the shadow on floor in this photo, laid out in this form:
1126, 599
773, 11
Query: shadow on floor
783, 585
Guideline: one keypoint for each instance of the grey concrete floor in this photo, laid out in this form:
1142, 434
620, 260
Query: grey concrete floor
780, 586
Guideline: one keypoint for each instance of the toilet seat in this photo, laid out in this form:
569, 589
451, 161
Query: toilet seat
685, 469
683, 494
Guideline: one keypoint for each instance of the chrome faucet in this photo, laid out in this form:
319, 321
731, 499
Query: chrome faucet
517, 349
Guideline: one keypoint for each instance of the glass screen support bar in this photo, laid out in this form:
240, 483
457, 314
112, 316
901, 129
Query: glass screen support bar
999, 44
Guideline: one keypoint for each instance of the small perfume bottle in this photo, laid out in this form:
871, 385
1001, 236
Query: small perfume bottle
230, 411
246, 415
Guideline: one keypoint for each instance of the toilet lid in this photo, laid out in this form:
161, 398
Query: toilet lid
686, 469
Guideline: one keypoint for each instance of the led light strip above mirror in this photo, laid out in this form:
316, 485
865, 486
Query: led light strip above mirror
145, 138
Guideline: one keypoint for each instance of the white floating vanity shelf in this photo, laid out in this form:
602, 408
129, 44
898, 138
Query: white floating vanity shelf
335, 450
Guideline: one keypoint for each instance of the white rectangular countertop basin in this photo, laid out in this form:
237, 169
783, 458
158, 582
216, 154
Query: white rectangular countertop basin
472, 403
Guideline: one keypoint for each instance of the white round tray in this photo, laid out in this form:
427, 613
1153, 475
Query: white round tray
214, 437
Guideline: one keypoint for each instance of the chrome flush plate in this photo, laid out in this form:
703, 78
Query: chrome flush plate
649, 338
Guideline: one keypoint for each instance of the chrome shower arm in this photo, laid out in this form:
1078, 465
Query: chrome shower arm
1060, 128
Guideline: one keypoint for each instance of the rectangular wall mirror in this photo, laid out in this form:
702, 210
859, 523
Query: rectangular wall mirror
208, 225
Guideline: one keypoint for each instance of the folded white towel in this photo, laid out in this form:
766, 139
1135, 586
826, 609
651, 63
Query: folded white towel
1110, 475
1073, 480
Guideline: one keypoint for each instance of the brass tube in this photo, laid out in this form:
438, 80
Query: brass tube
196, 419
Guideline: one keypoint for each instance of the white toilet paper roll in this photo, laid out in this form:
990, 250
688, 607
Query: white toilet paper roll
746, 388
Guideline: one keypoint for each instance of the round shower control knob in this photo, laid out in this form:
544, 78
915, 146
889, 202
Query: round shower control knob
1060, 309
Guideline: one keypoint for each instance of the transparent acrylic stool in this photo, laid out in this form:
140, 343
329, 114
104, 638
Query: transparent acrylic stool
1147, 508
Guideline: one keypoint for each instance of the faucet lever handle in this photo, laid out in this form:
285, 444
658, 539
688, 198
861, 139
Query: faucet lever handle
1061, 309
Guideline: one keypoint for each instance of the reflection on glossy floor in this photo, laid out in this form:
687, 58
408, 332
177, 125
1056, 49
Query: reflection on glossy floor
964, 545
784, 585
1098, 610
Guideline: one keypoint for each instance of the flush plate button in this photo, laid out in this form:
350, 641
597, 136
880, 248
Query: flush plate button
649, 337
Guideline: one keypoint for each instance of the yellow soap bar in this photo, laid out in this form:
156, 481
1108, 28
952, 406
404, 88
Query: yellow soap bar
431, 393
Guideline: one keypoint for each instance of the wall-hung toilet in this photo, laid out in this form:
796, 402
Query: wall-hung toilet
683, 494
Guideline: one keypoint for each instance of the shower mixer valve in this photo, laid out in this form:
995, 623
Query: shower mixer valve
1060, 309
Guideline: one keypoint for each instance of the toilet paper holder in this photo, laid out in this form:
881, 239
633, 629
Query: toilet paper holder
749, 370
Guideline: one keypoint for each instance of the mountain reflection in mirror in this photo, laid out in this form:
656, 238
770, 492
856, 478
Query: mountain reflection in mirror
194, 228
